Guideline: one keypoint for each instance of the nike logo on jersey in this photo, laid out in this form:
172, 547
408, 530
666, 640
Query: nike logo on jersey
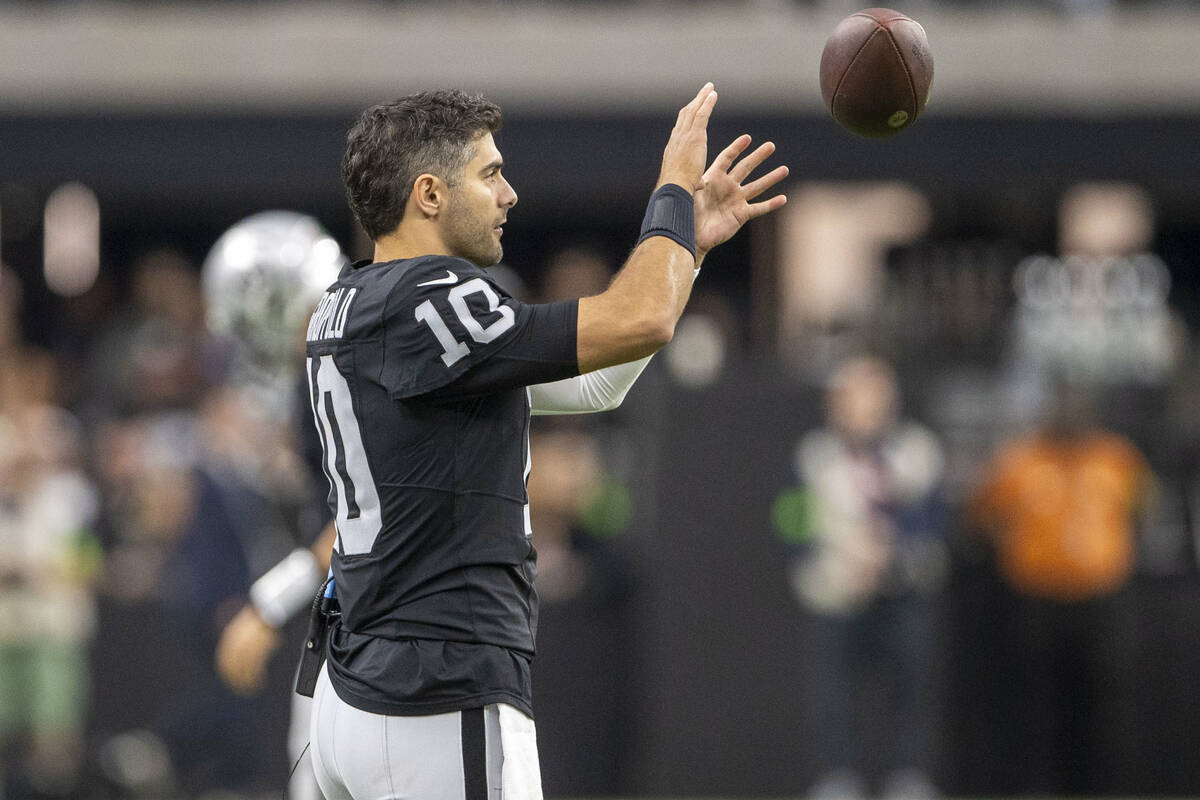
450, 278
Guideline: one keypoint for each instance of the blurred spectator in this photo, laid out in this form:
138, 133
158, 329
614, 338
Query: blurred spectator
583, 670
1061, 506
156, 355
47, 612
868, 530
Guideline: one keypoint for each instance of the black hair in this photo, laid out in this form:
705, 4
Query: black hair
391, 144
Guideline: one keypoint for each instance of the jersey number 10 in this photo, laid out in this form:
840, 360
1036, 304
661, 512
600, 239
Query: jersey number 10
352, 487
452, 349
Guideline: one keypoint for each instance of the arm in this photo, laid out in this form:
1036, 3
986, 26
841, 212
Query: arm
636, 315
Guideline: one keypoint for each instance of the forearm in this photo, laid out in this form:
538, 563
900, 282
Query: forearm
662, 284
636, 315
670, 217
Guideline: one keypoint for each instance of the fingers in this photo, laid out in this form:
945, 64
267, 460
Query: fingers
726, 157
743, 168
705, 111
688, 113
755, 210
760, 185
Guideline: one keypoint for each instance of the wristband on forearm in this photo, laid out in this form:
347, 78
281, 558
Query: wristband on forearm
286, 588
671, 213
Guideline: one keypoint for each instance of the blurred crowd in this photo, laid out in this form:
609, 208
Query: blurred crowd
144, 486
141, 481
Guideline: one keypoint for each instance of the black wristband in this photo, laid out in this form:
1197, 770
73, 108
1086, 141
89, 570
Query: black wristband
671, 213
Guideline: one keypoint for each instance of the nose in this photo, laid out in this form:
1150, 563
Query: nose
508, 197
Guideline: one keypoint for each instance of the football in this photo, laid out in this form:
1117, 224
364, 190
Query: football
876, 71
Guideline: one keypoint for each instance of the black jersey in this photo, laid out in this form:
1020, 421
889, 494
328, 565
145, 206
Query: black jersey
417, 370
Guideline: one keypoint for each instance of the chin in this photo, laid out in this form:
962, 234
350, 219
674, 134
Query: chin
491, 259
481, 253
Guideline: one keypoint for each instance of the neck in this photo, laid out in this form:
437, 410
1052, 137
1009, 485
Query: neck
410, 241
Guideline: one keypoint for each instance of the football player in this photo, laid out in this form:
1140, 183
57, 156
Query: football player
423, 374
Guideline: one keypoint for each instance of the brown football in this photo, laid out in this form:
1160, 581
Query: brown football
876, 70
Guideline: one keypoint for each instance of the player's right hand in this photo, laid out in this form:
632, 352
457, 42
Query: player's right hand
245, 648
723, 201
686, 153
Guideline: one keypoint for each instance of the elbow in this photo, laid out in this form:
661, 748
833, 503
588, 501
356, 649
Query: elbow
612, 403
657, 333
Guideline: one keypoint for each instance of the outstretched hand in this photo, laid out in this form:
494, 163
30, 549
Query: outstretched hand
723, 201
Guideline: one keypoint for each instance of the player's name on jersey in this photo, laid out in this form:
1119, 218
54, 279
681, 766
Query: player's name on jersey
329, 320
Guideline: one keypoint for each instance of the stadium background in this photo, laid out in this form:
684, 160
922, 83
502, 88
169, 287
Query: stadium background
181, 119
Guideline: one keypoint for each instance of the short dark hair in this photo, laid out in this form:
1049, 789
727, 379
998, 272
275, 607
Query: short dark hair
392, 143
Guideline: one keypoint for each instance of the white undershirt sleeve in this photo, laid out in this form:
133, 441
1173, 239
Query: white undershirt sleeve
602, 390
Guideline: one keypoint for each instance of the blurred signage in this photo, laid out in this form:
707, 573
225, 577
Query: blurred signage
1100, 319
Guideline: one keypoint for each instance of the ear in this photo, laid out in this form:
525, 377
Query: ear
429, 195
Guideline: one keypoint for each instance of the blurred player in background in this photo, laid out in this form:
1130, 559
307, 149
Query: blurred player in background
424, 372
262, 279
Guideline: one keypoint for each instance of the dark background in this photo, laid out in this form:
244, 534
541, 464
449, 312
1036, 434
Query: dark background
696, 684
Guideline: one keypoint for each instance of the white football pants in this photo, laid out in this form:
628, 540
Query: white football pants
479, 754
303, 784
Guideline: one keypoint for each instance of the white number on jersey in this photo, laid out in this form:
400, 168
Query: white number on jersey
452, 349
357, 513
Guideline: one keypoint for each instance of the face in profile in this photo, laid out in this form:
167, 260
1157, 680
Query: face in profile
478, 207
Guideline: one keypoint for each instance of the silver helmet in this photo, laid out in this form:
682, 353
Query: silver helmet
262, 280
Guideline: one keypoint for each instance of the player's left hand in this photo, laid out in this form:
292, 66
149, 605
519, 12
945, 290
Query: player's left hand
723, 201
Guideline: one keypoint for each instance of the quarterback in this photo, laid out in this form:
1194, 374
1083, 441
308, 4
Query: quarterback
423, 374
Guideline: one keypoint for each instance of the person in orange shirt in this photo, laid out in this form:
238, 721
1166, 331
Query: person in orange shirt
1061, 507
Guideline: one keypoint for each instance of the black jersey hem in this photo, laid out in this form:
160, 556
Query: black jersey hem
432, 707
455, 492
